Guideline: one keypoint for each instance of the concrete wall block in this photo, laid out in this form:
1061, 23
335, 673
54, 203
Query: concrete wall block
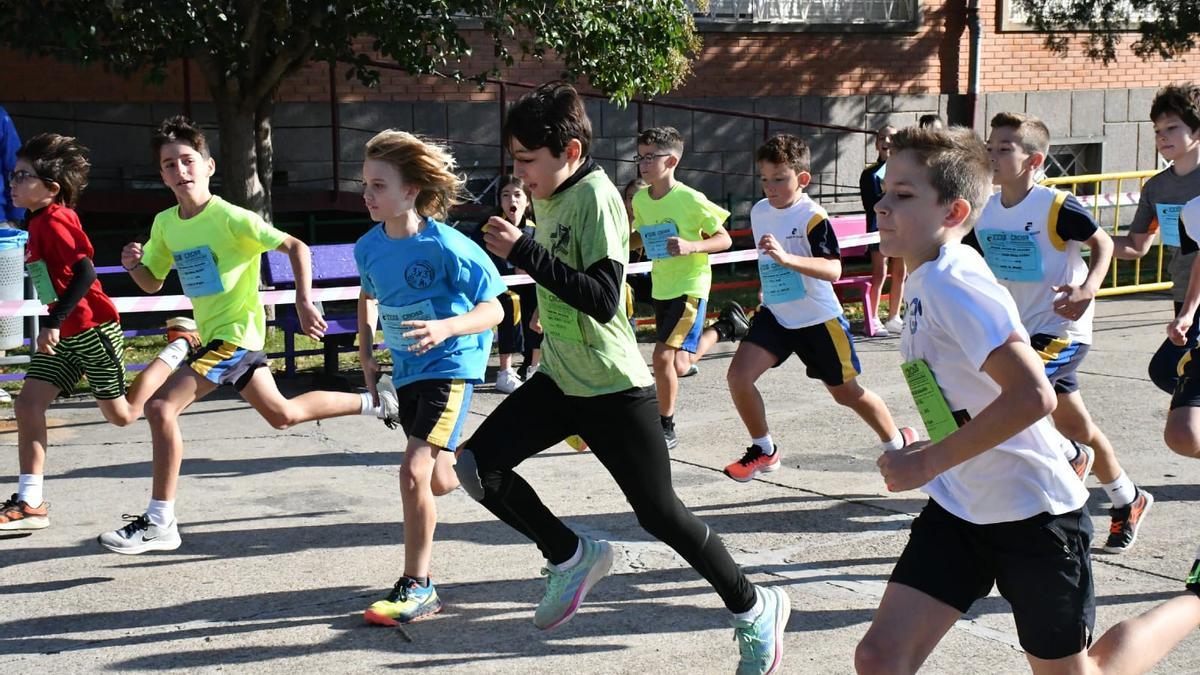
713, 133
998, 103
617, 122
474, 122
922, 103
850, 160
1120, 147
1147, 151
429, 118
300, 113
1140, 100
878, 120
824, 153
671, 117
303, 145
709, 183
375, 115
879, 103
844, 110
1054, 108
1087, 112
779, 106
1116, 105
812, 108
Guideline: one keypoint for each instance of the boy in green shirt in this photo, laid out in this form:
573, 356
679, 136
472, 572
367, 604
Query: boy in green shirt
216, 248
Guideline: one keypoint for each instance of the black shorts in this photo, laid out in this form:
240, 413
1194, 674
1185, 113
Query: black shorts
435, 410
1061, 359
97, 353
1187, 387
222, 362
826, 349
1041, 566
679, 322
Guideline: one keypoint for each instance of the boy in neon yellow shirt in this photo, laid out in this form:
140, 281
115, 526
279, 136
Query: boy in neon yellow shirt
216, 248
678, 227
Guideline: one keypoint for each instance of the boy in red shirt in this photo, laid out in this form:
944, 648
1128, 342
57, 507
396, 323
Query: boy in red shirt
82, 335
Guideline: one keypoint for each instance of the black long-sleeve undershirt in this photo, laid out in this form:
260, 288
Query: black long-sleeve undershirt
595, 291
83, 273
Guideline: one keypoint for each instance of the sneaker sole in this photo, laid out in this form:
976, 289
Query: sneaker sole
598, 572
767, 469
1117, 550
373, 617
35, 523
783, 610
143, 548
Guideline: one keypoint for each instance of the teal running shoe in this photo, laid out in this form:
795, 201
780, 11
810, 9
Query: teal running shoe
566, 590
761, 641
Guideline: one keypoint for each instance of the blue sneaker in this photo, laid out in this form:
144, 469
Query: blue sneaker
407, 602
761, 641
566, 590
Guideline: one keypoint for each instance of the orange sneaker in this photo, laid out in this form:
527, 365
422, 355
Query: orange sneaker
754, 462
183, 327
17, 515
1084, 458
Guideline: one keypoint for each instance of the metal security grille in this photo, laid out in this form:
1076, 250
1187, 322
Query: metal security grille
1074, 159
809, 11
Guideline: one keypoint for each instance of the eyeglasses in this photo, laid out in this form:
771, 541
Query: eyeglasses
640, 159
21, 176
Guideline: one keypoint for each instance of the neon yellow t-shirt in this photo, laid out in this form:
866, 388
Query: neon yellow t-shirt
694, 216
236, 238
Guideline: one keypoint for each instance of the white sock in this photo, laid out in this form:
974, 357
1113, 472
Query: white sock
368, 407
765, 443
1121, 491
174, 353
29, 489
573, 561
752, 613
161, 513
896, 443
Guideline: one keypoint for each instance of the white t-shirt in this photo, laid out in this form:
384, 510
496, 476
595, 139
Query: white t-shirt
1189, 218
957, 315
802, 229
1030, 258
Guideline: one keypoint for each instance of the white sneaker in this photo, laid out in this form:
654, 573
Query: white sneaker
878, 329
5, 397
530, 372
389, 402
894, 325
507, 381
140, 535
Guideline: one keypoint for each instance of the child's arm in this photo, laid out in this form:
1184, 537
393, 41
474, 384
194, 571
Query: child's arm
131, 260
428, 334
311, 321
368, 318
1180, 325
1133, 245
717, 242
1026, 396
827, 269
1077, 298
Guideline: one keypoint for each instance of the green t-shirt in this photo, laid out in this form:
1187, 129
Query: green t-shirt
693, 215
236, 238
580, 226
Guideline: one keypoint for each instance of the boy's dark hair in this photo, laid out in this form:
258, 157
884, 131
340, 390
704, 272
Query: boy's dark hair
1182, 99
1035, 136
179, 129
549, 117
663, 138
931, 121
957, 161
785, 149
60, 159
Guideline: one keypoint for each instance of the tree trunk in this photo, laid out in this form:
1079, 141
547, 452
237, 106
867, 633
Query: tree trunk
238, 160
265, 150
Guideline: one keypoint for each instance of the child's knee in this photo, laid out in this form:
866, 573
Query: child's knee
160, 411
871, 657
28, 408
847, 393
1181, 439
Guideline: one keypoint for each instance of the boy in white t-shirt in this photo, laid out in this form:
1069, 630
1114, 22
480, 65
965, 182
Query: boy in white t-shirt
1004, 508
1031, 236
798, 261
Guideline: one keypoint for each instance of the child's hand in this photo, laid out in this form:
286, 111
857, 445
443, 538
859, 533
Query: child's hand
1072, 301
770, 246
500, 235
426, 334
1178, 328
47, 339
535, 321
906, 469
370, 374
678, 246
311, 322
131, 255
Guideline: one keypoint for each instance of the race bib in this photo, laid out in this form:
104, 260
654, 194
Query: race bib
654, 239
1168, 223
392, 320
931, 404
40, 274
780, 284
198, 272
1014, 256
559, 320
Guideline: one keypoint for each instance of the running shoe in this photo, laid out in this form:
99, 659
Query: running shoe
141, 535
566, 589
408, 601
18, 515
1126, 521
754, 462
761, 641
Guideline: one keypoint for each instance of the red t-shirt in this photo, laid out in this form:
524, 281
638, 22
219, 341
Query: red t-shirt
57, 238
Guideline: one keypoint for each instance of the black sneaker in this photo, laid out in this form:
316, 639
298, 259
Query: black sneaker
1126, 521
732, 323
671, 438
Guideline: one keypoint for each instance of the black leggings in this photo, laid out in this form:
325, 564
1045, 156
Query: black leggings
1164, 365
623, 431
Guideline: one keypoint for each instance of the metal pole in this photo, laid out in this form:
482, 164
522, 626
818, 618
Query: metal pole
335, 132
503, 111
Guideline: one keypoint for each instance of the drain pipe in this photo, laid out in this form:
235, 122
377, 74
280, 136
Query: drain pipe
975, 27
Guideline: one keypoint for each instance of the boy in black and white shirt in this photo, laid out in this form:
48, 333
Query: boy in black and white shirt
1004, 507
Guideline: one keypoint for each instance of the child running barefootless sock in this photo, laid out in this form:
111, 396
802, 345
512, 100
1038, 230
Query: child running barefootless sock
29, 489
572, 561
1121, 491
161, 513
765, 444
174, 353
896, 443
752, 613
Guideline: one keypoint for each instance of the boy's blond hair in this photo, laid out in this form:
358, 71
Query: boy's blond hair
421, 163
957, 162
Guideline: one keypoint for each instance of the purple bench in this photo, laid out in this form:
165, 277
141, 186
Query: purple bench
332, 265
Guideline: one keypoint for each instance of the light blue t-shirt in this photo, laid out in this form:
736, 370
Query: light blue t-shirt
442, 266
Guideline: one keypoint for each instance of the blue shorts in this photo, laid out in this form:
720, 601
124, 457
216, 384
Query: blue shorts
679, 322
222, 362
1061, 359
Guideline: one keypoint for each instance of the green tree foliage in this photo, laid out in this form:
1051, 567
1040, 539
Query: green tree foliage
1160, 28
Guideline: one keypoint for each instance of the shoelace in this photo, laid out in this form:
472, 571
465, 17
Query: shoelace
400, 590
10, 504
138, 522
752, 454
750, 645
555, 580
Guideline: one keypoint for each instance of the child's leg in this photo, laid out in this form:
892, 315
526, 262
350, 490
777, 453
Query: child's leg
749, 363
1182, 433
420, 513
262, 393
1135, 645
445, 480
896, 292
685, 360
869, 407
666, 378
906, 628
827, 351
183, 388
30, 408
1072, 419
878, 269
125, 410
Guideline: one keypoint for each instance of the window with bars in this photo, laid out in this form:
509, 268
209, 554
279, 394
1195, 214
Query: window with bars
1074, 159
810, 12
